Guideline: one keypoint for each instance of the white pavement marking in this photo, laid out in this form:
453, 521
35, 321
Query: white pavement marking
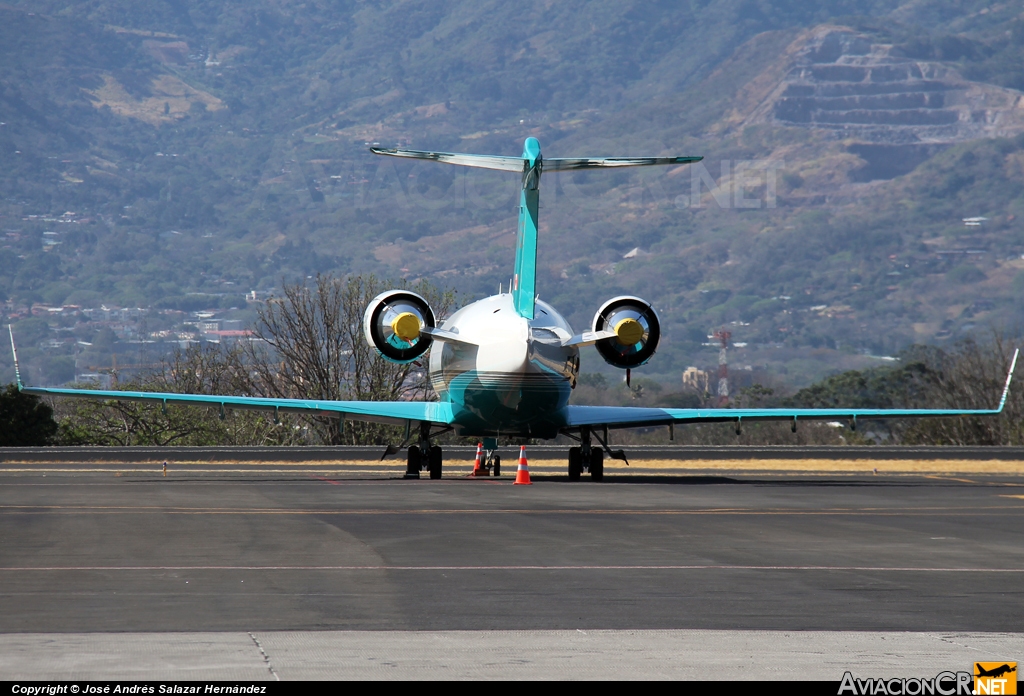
375, 568
575, 654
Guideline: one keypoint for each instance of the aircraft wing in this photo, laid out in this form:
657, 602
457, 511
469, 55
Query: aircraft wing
631, 417
634, 417
569, 163
391, 412
505, 164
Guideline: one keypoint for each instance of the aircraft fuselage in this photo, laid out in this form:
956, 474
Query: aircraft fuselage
512, 377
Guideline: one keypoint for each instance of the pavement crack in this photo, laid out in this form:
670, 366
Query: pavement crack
948, 638
266, 657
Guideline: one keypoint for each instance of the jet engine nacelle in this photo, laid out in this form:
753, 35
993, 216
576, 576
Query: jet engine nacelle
394, 322
636, 327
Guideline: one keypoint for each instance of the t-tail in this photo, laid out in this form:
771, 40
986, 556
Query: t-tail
530, 165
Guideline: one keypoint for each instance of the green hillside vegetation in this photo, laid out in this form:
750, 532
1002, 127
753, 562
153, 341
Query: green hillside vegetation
205, 149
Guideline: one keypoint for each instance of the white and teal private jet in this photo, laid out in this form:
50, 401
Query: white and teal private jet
504, 366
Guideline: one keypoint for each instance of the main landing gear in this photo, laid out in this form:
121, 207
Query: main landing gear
420, 459
586, 458
424, 456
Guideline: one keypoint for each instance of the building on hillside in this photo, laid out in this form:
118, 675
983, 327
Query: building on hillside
697, 380
227, 336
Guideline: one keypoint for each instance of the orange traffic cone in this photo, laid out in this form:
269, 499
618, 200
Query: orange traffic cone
478, 467
523, 473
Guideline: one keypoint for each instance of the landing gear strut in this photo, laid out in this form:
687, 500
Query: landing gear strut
424, 456
492, 460
586, 458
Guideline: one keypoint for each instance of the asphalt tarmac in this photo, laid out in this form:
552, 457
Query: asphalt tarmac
100, 552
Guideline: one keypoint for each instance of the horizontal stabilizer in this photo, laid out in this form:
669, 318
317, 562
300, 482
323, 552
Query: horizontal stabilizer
570, 163
519, 164
504, 164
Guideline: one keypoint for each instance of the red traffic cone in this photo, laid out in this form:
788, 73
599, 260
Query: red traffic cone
523, 473
478, 467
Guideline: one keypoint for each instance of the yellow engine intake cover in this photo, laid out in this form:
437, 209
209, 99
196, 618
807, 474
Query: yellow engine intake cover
406, 326
629, 332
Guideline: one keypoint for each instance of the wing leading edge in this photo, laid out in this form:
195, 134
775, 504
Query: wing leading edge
631, 417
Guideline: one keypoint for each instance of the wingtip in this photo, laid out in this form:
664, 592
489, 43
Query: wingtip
1009, 377
14, 352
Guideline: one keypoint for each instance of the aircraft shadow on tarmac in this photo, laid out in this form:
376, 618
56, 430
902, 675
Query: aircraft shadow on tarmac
811, 482
631, 479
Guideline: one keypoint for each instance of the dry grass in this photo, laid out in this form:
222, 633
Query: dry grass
454, 467
170, 95
939, 466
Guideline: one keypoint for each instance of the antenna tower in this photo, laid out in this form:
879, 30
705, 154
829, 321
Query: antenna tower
723, 367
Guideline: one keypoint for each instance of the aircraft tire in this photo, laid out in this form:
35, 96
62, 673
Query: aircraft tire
575, 463
596, 465
497, 465
412, 469
434, 458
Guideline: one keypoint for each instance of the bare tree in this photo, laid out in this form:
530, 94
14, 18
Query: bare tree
309, 344
200, 369
969, 375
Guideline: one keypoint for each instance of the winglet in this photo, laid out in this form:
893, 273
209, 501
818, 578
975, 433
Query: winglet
1009, 376
17, 370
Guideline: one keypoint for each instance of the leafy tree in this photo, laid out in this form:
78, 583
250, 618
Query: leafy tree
968, 375
25, 420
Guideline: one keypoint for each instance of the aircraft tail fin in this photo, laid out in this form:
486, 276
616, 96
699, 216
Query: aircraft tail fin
524, 282
530, 165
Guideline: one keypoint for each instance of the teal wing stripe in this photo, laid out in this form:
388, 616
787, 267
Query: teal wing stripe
378, 411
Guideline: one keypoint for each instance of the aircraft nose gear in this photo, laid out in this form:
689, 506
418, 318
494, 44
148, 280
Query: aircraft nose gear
492, 460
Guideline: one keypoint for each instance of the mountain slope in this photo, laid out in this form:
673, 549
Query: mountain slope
202, 149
